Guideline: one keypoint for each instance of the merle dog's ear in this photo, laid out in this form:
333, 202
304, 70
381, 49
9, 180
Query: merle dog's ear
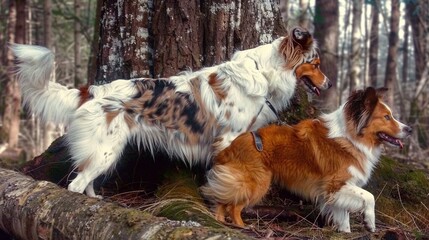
302, 37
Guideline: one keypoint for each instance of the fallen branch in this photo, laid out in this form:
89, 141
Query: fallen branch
32, 209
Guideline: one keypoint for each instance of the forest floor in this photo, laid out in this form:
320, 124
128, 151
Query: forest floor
400, 186
401, 190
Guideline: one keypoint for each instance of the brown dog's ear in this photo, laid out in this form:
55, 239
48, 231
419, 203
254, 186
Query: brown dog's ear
381, 92
302, 37
360, 106
370, 100
370, 97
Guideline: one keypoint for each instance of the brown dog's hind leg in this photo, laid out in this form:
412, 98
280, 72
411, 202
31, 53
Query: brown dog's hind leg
235, 213
220, 212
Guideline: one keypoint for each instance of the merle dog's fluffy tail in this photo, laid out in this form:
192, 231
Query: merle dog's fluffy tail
48, 100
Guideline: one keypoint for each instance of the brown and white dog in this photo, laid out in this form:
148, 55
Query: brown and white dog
191, 116
325, 160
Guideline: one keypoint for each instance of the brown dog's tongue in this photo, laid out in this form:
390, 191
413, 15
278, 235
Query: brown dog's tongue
399, 142
316, 90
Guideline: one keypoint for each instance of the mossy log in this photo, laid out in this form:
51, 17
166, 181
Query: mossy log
32, 209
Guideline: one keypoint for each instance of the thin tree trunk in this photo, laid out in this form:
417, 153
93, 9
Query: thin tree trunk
365, 38
92, 62
11, 116
77, 36
355, 68
404, 73
326, 18
47, 23
390, 75
303, 19
48, 127
344, 58
284, 11
41, 210
416, 12
373, 46
405, 53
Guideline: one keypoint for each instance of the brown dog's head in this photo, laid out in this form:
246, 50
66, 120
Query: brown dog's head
300, 52
371, 121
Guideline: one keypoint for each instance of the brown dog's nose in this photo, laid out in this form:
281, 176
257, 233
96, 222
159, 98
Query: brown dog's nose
329, 84
408, 130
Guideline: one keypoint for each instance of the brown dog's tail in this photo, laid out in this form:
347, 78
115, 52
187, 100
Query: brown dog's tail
225, 185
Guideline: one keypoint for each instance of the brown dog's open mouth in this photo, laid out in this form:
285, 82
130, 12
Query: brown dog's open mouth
389, 139
310, 85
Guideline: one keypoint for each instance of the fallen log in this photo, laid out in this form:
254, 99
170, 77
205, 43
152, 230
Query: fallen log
32, 209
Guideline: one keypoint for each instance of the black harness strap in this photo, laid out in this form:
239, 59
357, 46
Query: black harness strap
258, 141
272, 109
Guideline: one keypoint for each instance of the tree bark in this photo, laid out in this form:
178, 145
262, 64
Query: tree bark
417, 12
177, 37
92, 61
124, 50
355, 69
390, 75
78, 81
373, 46
303, 18
41, 210
327, 18
284, 12
11, 115
344, 57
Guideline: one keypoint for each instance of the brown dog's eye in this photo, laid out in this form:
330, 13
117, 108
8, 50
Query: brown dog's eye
387, 117
315, 65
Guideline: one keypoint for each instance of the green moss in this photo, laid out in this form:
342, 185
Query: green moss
299, 108
402, 194
179, 199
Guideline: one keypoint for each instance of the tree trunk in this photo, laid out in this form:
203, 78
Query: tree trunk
404, 72
47, 23
78, 81
124, 50
417, 12
11, 115
237, 26
344, 56
284, 12
41, 210
172, 36
92, 61
326, 18
373, 47
390, 75
48, 130
303, 18
355, 68
405, 47
418, 15
177, 37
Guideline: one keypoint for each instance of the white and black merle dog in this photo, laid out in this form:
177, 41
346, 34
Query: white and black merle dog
192, 116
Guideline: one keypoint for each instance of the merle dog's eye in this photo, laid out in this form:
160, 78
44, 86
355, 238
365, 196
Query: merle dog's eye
387, 117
